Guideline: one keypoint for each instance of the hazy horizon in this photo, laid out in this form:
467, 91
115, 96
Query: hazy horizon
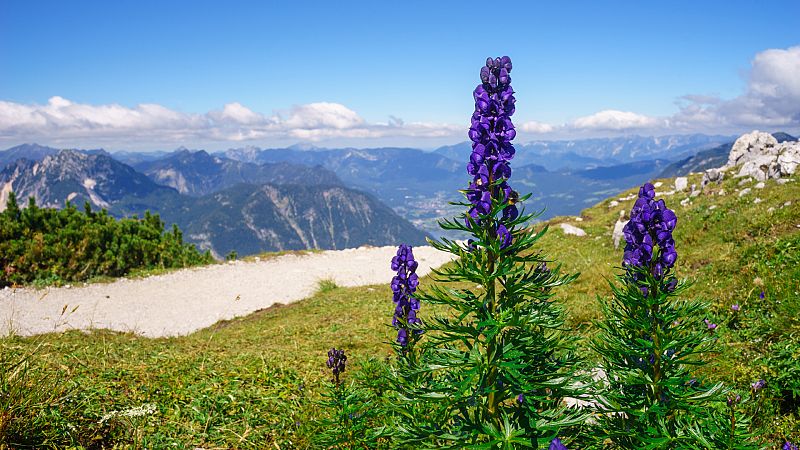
315, 146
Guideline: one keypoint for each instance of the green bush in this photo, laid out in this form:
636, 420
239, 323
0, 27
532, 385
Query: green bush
46, 245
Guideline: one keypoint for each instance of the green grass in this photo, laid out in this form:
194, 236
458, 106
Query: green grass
326, 285
253, 382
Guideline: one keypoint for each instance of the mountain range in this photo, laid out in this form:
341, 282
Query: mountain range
70, 175
419, 185
289, 212
598, 152
250, 199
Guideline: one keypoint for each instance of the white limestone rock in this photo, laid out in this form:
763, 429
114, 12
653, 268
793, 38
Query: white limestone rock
759, 155
789, 157
744, 192
761, 167
712, 176
572, 230
750, 145
760, 185
681, 183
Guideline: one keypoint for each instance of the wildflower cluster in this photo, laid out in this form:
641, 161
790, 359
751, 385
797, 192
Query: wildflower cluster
491, 133
651, 224
403, 286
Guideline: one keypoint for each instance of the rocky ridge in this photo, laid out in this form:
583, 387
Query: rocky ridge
74, 176
761, 156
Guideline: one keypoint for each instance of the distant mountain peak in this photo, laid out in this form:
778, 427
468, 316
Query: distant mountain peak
303, 146
780, 136
199, 173
75, 176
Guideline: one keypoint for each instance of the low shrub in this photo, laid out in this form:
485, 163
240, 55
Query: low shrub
50, 246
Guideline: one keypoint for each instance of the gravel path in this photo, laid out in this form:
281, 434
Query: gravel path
184, 301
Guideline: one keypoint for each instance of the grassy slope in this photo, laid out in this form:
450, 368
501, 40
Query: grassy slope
251, 382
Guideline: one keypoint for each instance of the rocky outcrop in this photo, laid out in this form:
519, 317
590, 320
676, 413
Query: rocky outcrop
789, 159
712, 176
761, 156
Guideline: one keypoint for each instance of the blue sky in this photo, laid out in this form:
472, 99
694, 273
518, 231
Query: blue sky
379, 73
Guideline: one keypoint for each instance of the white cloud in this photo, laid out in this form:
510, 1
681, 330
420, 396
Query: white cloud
314, 116
537, 127
238, 113
613, 120
62, 117
776, 77
63, 121
771, 100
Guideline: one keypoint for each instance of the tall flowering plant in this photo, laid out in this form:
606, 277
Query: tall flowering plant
351, 416
649, 339
493, 368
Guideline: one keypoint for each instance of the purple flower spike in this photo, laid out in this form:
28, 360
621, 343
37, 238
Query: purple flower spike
403, 285
789, 446
521, 398
556, 444
758, 385
761, 295
491, 132
336, 362
648, 237
735, 307
711, 326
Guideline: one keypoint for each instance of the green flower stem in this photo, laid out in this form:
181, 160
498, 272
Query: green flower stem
657, 352
491, 348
